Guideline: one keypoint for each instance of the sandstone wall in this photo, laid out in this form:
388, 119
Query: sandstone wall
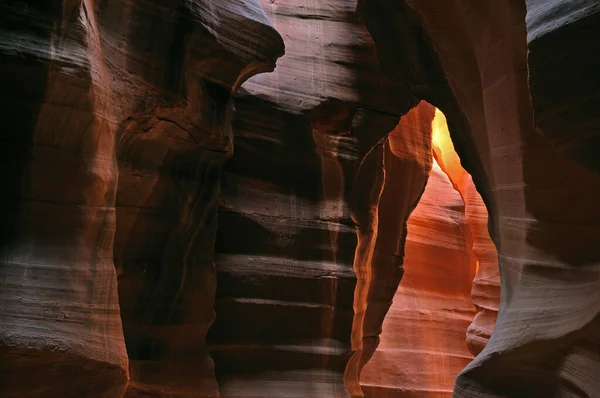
486, 284
543, 216
117, 118
307, 153
116, 122
423, 344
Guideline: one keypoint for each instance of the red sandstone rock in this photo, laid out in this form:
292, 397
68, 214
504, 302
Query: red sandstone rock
59, 310
286, 241
387, 187
423, 341
486, 285
423, 345
117, 120
542, 206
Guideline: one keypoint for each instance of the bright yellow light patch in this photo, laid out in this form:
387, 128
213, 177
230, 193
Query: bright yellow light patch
444, 151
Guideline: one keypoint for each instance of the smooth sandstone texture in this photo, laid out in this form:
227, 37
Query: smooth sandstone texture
59, 310
563, 75
400, 171
286, 240
423, 341
423, 344
117, 119
543, 207
486, 285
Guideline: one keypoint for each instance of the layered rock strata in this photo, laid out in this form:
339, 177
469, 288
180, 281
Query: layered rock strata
318, 115
402, 171
301, 346
486, 285
116, 122
423, 344
543, 216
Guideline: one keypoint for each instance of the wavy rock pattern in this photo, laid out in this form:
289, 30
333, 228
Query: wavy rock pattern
118, 118
318, 115
486, 285
423, 340
116, 122
401, 166
423, 347
543, 216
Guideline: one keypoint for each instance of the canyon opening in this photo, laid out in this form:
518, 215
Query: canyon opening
445, 306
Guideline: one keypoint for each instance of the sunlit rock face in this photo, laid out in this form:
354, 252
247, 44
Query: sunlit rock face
116, 122
388, 186
117, 119
423, 344
543, 207
486, 285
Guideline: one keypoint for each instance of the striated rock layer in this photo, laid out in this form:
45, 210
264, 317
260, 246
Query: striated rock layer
423, 344
290, 195
486, 285
423, 341
117, 119
543, 207
299, 324
402, 170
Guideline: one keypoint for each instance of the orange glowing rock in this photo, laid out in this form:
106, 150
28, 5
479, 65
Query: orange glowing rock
486, 285
423, 345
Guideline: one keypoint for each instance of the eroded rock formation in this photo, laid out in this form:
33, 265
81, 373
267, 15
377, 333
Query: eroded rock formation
116, 122
318, 115
486, 285
563, 81
423, 344
381, 208
542, 205
117, 118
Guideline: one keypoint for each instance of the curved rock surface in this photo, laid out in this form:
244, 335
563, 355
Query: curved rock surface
486, 285
563, 78
423, 344
117, 120
318, 115
381, 207
542, 207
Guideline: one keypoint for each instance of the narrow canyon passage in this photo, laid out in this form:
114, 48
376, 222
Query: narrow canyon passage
211, 199
306, 270
423, 344
284, 253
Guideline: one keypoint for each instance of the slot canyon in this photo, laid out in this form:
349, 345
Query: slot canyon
300, 198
